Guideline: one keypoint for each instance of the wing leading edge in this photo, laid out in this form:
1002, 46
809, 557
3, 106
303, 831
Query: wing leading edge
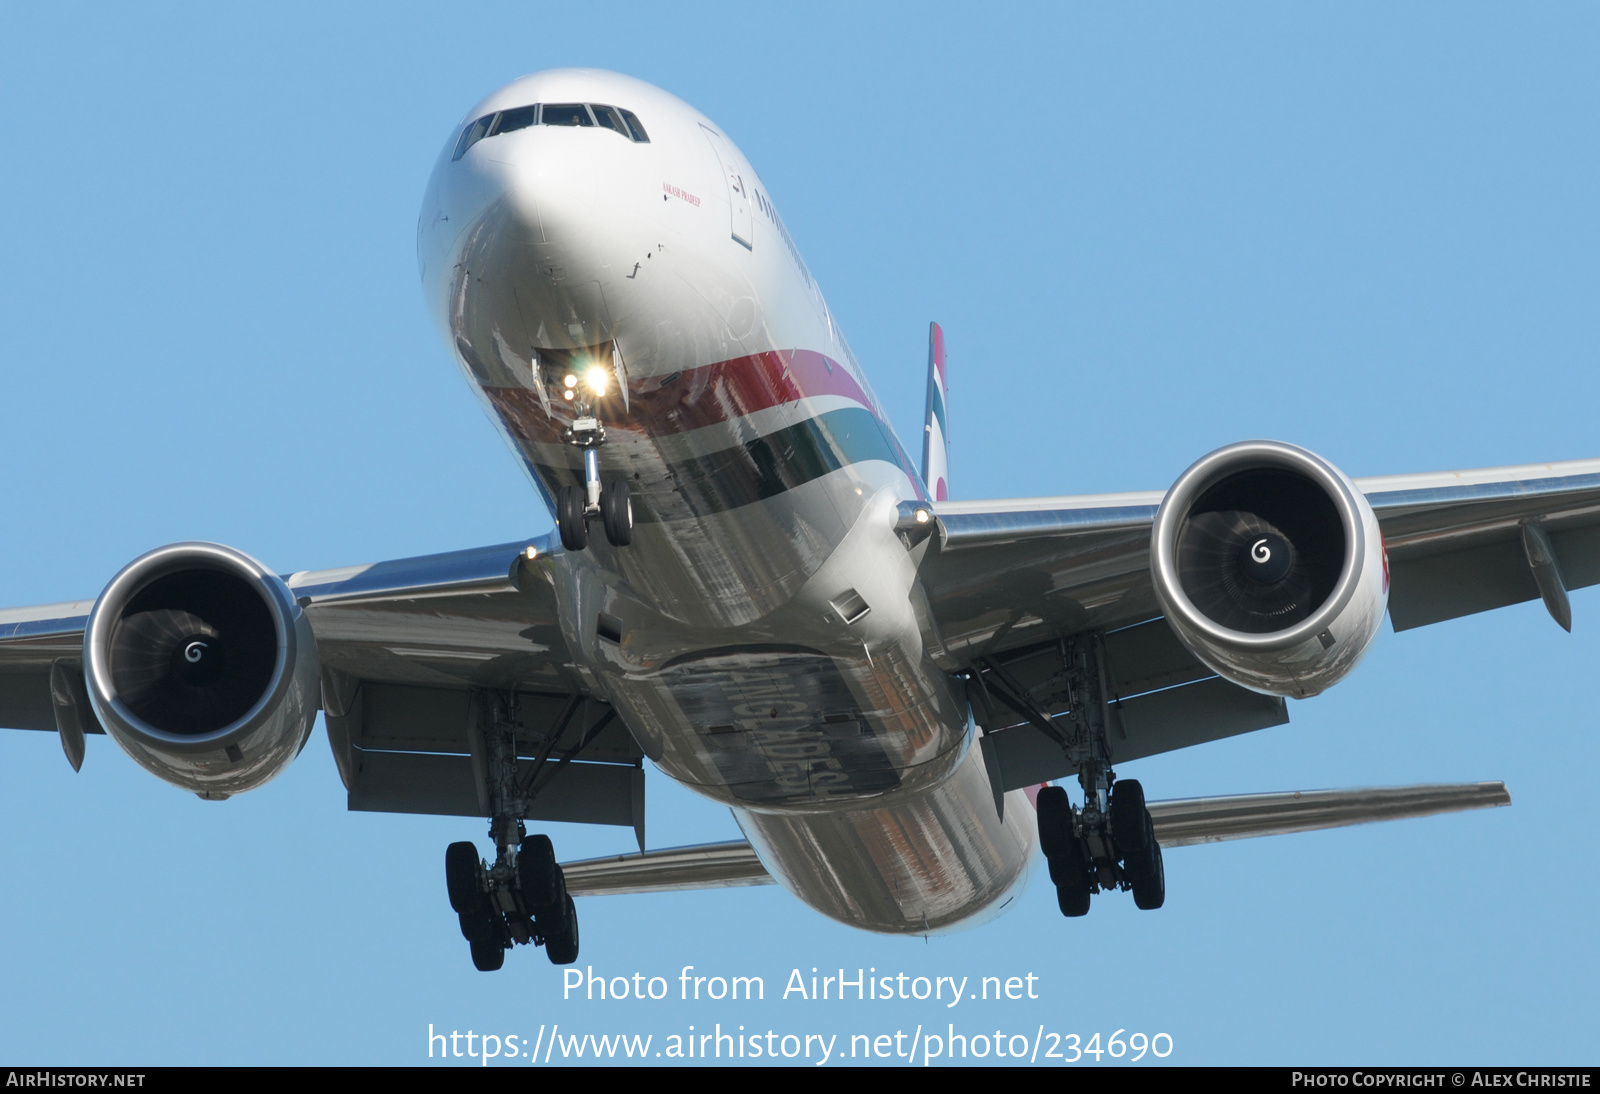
405, 644
415, 651
1008, 573
1007, 580
408, 648
1462, 542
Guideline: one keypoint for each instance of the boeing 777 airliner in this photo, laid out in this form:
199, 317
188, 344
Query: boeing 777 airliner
755, 585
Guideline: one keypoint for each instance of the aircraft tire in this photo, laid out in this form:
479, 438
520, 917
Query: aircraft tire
488, 955
1069, 871
562, 948
1141, 864
570, 506
555, 917
1130, 821
1073, 900
1150, 893
538, 876
616, 510
461, 877
479, 926
1054, 810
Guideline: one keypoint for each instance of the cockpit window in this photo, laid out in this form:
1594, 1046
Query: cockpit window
472, 135
623, 122
608, 117
520, 118
566, 114
633, 123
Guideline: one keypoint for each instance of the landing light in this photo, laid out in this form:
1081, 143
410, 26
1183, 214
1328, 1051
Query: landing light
567, 393
571, 382
597, 380
922, 516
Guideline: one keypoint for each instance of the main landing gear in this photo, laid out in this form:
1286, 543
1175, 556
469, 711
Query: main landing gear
612, 502
1109, 842
522, 898
1088, 855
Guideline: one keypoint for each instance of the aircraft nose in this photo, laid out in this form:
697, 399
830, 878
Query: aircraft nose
529, 227
545, 181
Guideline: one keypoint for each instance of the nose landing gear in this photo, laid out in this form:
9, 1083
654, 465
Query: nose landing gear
577, 505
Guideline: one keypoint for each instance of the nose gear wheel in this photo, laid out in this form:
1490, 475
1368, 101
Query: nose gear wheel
571, 518
612, 502
616, 511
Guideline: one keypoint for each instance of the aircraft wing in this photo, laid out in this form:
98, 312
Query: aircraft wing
1012, 572
1179, 823
1005, 580
1456, 542
404, 645
1004, 574
31, 641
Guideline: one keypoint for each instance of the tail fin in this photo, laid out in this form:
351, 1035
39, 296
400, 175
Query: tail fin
936, 432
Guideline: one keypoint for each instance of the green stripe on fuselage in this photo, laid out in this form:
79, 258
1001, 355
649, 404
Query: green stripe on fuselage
766, 466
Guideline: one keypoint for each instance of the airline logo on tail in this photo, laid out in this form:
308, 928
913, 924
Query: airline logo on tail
936, 431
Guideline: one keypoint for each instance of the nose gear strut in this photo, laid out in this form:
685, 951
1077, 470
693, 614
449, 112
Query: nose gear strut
611, 503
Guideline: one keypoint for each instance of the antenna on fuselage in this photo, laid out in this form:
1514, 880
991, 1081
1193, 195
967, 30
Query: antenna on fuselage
620, 367
538, 381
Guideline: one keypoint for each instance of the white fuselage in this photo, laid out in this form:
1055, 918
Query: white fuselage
765, 482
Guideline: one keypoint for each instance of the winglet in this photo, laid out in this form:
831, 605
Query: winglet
936, 431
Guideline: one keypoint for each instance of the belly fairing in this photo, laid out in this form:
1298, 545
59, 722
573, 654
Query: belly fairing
796, 711
942, 860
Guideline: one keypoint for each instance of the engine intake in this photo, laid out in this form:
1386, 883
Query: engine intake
1269, 564
202, 667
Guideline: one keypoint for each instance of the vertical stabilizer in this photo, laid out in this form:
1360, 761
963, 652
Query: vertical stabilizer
936, 430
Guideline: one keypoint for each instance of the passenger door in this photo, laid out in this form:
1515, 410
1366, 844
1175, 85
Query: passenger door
738, 192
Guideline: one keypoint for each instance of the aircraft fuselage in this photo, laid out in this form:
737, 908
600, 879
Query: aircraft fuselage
764, 635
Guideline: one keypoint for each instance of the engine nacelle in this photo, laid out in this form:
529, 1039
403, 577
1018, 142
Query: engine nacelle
202, 667
1271, 567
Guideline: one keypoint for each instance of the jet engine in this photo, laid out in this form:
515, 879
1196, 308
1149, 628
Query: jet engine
201, 666
1271, 567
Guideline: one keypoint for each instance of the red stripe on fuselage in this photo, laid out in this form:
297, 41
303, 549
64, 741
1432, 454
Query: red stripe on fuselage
745, 385
694, 398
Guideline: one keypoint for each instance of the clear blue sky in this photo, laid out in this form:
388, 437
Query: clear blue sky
1370, 229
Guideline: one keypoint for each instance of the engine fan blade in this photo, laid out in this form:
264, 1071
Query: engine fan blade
1243, 573
173, 670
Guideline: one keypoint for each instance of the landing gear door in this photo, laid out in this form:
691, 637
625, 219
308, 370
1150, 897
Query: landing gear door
738, 191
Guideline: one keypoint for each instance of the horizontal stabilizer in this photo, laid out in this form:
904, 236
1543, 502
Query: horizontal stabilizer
1179, 823
1184, 821
705, 866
